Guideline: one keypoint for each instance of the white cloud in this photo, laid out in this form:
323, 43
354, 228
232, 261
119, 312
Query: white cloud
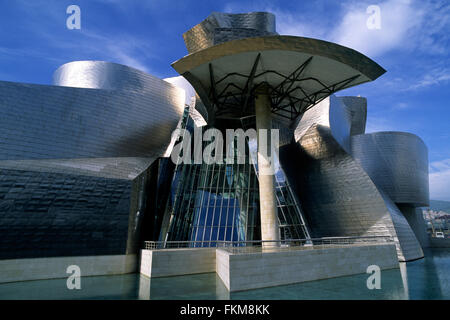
287, 22
405, 24
377, 124
433, 77
119, 47
122, 48
290, 24
125, 56
401, 106
440, 180
397, 19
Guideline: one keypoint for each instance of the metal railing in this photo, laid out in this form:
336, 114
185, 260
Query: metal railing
256, 245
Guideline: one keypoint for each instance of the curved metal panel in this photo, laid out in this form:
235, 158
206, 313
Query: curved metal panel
407, 240
182, 83
80, 155
415, 219
104, 75
397, 162
329, 113
112, 168
337, 195
358, 110
66, 123
221, 27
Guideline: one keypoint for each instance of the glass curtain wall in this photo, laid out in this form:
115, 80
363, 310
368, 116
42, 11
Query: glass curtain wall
290, 217
214, 202
220, 202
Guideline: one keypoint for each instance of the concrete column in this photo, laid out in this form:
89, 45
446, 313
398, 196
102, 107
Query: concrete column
267, 200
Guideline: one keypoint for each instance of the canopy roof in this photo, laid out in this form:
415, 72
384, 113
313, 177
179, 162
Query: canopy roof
299, 72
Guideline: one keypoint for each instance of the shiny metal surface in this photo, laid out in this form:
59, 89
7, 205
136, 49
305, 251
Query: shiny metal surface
77, 161
330, 113
408, 242
415, 219
338, 196
54, 122
358, 111
397, 162
182, 83
221, 27
103, 121
104, 75
126, 168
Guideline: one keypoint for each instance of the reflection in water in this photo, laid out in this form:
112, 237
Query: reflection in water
95, 288
429, 278
404, 275
422, 279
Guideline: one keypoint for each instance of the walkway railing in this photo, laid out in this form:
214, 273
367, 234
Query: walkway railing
254, 245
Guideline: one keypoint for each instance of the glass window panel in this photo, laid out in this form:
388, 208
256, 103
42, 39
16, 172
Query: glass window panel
216, 221
222, 233
199, 234
214, 233
209, 213
228, 234
207, 234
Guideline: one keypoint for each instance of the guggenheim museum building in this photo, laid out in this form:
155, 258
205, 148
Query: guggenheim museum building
86, 168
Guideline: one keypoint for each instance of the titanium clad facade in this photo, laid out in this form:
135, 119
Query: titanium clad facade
337, 194
407, 240
397, 162
222, 27
46, 214
52, 214
111, 76
84, 166
358, 110
415, 219
77, 160
329, 113
52, 122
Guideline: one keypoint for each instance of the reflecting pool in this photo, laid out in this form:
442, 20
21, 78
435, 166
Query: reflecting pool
428, 278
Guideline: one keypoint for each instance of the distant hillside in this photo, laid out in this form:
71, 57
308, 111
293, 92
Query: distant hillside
438, 205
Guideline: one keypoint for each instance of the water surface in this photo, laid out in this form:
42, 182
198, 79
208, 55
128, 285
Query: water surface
427, 278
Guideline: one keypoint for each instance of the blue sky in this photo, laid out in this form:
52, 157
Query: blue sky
412, 45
